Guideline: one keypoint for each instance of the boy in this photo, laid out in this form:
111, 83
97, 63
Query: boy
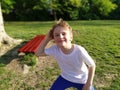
77, 67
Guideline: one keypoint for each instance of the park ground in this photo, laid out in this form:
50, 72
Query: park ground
100, 38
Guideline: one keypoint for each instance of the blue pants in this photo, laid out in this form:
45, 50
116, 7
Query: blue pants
62, 84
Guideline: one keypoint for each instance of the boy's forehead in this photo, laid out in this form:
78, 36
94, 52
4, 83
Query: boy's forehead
60, 28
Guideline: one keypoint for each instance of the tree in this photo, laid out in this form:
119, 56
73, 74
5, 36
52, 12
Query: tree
27, 10
53, 6
95, 9
4, 37
104, 6
115, 13
68, 9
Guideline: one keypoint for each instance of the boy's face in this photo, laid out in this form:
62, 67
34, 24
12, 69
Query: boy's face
62, 36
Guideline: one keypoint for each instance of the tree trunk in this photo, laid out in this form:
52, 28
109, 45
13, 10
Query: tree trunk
4, 37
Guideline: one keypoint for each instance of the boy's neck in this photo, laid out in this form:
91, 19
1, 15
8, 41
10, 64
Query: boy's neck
67, 49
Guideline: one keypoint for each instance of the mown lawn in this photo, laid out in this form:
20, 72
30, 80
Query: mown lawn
100, 38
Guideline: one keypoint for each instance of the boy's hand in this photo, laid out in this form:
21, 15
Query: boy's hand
87, 87
49, 36
40, 51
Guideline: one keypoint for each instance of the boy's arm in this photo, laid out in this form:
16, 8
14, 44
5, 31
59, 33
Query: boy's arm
40, 51
89, 82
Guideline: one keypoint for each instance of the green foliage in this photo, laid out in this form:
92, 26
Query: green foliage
30, 10
69, 9
27, 10
7, 5
75, 3
96, 9
74, 15
116, 11
29, 59
104, 6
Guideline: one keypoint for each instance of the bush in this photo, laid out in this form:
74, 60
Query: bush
29, 59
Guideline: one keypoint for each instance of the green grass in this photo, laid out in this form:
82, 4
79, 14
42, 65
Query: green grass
100, 38
27, 30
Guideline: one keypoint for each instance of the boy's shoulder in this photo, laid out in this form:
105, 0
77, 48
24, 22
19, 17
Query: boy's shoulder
54, 47
78, 46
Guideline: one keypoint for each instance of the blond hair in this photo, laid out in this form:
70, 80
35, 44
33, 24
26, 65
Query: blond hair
61, 23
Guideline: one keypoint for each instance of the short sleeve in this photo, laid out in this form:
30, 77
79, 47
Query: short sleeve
51, 51
86, 57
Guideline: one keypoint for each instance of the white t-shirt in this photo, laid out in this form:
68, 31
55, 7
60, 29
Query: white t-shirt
73, 66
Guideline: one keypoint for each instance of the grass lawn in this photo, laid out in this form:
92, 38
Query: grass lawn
100, 38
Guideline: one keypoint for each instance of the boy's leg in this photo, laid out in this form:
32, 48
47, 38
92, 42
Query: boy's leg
59, 84
62, 84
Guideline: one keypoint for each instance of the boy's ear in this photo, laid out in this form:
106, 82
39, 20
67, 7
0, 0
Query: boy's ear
71, 36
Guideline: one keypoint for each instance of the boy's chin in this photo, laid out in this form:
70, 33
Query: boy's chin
61, 45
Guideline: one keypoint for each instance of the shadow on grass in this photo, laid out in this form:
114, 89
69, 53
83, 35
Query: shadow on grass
10, 54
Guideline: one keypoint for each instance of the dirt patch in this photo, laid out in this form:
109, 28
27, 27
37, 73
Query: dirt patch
42, 62
35, 77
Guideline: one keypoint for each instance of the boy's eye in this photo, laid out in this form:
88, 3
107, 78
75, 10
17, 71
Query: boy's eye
56, 35
63, 34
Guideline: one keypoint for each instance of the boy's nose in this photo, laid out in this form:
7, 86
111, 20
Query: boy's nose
61, 36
